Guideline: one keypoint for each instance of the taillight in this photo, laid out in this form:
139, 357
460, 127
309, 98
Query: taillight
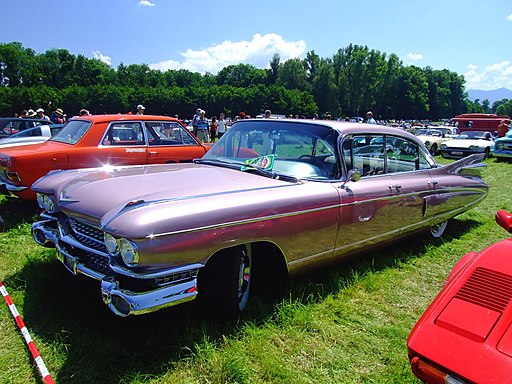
431, 374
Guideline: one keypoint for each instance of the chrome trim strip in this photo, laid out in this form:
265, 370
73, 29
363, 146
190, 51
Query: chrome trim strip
12, 188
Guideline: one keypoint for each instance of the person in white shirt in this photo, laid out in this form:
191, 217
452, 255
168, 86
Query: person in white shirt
221, 125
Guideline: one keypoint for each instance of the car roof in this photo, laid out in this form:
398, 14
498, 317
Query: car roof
123, 117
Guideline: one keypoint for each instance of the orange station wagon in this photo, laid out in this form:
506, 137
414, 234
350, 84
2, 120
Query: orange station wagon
95, 141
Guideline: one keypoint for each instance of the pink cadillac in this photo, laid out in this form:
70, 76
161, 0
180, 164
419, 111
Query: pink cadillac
271, 199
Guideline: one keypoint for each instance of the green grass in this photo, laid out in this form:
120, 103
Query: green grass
345, 324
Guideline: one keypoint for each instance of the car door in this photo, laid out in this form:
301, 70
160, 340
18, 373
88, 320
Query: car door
123, 144
370, 210
170, 142
409, 169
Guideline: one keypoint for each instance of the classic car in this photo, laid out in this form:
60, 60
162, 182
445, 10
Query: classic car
503, 147
467, 143
271, 199
465, 335
92, 141
12, 125
432, 138
34, 135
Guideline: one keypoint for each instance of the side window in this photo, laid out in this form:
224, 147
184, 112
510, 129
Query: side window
124, 134
168, 133
366, 153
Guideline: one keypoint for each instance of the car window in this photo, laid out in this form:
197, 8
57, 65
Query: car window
168, 133
124, 134
72, 132
375, 154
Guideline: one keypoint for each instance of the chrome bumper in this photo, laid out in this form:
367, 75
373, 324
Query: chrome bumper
9, 189
120, 301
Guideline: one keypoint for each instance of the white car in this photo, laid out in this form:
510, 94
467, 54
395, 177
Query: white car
34, 135
468, 143
432, 138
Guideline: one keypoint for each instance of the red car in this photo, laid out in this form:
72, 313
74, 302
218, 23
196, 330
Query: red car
95, 141
465, 336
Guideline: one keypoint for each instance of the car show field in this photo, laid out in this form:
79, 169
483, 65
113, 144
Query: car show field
347, 323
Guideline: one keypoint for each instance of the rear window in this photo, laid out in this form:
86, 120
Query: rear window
72, 132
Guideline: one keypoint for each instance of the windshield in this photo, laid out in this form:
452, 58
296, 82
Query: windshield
298, 150
72, 132
474, 135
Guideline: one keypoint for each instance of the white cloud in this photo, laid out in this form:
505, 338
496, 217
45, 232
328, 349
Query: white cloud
101, 57
492, 77
146, 3
258, 52
415, 56
509, 17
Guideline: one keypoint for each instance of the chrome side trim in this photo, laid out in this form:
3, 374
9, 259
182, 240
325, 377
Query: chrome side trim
12, 188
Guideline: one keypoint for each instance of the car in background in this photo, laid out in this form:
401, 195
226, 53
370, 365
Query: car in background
271, 199
465, 335
503, 147
11, 125
92, 141
34, 135
432, 138
468, 143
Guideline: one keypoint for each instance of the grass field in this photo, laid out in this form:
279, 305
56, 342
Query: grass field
346, 324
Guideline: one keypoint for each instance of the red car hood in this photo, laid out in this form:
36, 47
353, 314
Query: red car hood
467, 329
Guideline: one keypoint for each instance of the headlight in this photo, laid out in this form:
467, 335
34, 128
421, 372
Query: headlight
110, 243
475, 148
48, 203
129, 252
499, 146
427, 143
443, 146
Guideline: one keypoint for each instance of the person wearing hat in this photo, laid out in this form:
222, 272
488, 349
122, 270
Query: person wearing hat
31, 113
40, 114
57, 117
140, 109
203, 127
194, 121
369, 118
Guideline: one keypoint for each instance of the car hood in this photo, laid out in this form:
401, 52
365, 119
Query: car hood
467, 329
163, 192
468, 143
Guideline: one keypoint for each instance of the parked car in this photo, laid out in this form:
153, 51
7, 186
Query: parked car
92, 141
34, 135
503, 147
465, 335
11, 125
432, 138
467, 143
271, 199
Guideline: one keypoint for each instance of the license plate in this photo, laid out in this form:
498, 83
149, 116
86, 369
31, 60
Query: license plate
457, 153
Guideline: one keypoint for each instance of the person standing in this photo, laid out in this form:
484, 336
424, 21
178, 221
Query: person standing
221, 125
213, 129
268, 114
202, 127
503, 127
140, 109
40, 114
369, 118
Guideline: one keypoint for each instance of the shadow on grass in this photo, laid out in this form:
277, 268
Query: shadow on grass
16, 211
97, 346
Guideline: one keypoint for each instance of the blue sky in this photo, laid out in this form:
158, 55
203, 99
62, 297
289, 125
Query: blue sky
470, 37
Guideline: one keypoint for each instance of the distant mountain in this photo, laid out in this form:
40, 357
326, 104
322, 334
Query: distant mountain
492, 96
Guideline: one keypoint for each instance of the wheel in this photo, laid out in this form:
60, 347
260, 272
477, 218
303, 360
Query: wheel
225, 281
438, 229
487, 153
433, 149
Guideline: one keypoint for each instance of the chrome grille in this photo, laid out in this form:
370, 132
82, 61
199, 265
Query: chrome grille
488, 289
88, 235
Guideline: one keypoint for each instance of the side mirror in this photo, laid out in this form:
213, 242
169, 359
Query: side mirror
504, 219
354, 175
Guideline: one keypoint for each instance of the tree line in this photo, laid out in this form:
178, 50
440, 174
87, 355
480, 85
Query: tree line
354, 80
